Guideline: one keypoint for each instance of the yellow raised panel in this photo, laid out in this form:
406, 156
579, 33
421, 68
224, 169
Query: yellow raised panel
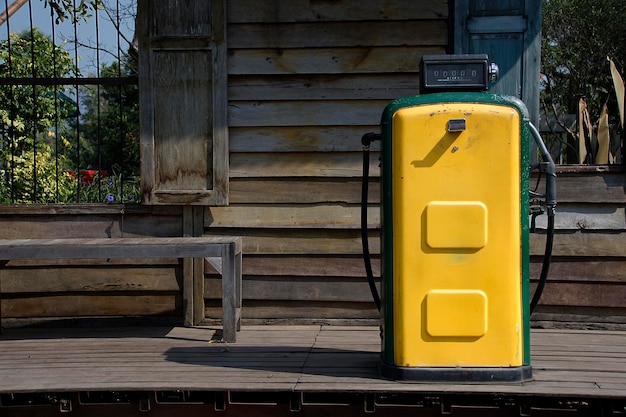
456, 224
456, 313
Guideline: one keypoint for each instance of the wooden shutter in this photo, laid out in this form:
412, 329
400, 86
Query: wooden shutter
183, 103
509, 32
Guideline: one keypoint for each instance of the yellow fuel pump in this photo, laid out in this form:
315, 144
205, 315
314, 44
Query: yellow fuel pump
455, 301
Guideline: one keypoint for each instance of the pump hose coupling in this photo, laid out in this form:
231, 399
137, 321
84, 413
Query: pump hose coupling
548, 167
368, 138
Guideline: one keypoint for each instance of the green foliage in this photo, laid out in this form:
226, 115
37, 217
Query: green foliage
110, 124
33, 177
34, 55
111, 189
39, 136
71, 9
577, 38
28, 115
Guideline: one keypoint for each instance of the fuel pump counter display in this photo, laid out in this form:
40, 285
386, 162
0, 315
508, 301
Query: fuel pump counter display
456, 73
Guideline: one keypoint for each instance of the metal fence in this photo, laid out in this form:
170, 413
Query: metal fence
68, 102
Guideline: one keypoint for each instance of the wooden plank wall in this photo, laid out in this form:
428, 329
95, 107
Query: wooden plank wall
32, 290
587, 281
306, 80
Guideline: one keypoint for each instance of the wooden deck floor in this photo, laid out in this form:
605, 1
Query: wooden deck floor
309, 360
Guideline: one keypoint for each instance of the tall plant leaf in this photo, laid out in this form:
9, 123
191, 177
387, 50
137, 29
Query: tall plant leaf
584, 130
618, 82
602, 157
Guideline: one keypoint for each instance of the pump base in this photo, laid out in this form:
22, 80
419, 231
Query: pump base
461, 375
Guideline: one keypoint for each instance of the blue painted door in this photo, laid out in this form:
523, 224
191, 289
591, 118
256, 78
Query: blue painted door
509, 32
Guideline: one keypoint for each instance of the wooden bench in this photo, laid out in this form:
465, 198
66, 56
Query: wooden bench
223, 253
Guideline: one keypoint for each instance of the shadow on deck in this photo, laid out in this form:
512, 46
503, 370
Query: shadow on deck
276, 370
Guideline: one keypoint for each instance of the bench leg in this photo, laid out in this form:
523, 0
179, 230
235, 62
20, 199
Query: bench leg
231, 292
238, 272
188, 291
198, 291
2, 264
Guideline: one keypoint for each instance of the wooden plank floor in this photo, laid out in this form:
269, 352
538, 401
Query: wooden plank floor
305, 359
292, 358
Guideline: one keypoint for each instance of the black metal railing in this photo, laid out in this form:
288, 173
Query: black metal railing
68, 102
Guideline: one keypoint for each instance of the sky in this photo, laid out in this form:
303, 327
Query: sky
105, 35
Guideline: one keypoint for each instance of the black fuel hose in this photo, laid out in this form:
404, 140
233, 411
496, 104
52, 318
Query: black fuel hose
549, 168
366, 140
545, 268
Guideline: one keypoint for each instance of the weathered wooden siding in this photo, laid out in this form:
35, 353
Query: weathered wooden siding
587, 281
306, 80
91, 287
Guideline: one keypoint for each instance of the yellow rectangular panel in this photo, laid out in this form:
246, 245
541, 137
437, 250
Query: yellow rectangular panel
456, 228
456, 224
456, 313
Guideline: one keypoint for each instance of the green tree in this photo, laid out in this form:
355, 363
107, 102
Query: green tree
33, 118
72, 9
577, 38
110, 124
